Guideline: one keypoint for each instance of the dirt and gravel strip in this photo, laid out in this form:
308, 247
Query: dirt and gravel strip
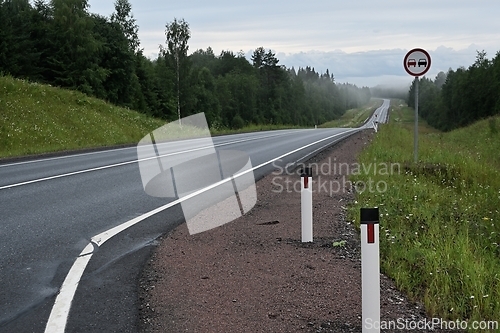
254, 274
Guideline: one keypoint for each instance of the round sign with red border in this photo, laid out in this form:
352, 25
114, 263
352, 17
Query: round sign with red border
417, 62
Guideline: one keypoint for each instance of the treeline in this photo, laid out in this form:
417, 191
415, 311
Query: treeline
459, 98
60, 43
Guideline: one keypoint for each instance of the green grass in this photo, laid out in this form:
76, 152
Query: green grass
36, 118
354, 117
440, 220
404, 116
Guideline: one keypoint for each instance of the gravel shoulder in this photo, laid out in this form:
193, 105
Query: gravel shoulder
254, 274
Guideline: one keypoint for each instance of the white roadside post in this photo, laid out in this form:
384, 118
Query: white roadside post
370, 270
306, 205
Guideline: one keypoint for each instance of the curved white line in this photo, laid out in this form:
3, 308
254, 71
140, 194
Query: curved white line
62, 305
60, 310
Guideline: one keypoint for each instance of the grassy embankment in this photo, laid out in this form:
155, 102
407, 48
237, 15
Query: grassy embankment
37, 118
355, 117
440, 220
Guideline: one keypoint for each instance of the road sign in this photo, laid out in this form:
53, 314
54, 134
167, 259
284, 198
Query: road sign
417, 62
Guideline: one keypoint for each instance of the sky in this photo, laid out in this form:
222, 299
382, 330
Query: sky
360, 41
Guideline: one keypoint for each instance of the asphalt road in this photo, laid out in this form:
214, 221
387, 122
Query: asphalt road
52, 207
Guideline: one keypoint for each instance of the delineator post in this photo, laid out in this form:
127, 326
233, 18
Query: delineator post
370, 270
306, 205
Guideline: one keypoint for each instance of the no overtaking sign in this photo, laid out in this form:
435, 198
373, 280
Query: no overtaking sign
417, 62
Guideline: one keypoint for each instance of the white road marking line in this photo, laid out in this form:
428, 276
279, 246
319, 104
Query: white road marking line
90, 153
124, 163
62, 157
60, 311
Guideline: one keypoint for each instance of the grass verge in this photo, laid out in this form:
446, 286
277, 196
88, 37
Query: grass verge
36, 118
439, 226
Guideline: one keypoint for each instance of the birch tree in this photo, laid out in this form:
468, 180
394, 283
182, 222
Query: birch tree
177, 36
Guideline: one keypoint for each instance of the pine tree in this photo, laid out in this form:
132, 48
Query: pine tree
125, 19
73, 60
18, 56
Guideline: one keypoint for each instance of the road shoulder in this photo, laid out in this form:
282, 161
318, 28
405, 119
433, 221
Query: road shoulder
254, 274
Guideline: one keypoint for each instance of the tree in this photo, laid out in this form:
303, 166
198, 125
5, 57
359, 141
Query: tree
73, 62
205, 99
440, 79
124, 17
117, 59
258, 57
18, 56
177, 36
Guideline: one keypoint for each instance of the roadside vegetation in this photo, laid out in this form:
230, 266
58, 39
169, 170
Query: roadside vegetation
354, 117
439, 219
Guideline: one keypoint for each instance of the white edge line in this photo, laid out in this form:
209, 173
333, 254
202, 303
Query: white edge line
60, 157
62, 305
124, 163
76, 155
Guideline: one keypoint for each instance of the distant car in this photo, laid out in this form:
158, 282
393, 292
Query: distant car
412, 62
422, 62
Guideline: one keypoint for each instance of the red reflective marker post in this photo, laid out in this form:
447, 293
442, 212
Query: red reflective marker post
306, 205
370, 270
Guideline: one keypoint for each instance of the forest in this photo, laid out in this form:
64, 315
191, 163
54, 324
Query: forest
59, 42
460, 97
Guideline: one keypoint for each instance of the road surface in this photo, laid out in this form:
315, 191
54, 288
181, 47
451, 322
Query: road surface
51, 209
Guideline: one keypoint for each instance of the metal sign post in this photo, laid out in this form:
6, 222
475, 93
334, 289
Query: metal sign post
416, 63
415, 133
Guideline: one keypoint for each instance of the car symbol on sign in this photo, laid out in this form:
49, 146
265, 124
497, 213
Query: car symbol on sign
412, 62
422, 62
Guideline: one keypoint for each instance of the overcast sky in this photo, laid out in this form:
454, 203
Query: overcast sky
359, 41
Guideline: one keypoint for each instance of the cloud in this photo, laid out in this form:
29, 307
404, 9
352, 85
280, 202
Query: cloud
362, 67
353, 39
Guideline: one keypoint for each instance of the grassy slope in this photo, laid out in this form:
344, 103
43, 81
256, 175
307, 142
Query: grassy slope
440, 220
37, 118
